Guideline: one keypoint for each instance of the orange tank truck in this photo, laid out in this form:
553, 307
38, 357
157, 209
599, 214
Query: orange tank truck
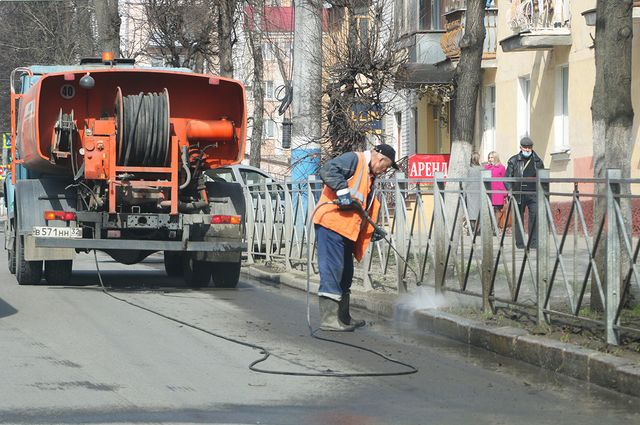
110, 156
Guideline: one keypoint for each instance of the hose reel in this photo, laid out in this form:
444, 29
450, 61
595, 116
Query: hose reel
142, 129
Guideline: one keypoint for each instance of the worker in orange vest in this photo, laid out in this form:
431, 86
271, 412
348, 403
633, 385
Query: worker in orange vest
342, 232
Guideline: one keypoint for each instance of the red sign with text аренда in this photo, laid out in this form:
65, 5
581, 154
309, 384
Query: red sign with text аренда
424, 166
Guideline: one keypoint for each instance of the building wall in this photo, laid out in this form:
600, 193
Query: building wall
544, 69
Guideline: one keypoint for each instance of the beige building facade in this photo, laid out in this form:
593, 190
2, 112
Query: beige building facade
538, 76
546, 92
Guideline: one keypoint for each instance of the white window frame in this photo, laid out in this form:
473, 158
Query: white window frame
561, 115
269, 130
269, 88
524, 107
489, 119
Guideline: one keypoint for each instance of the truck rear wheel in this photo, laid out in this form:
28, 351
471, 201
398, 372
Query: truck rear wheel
27, 272
196, 273
226, 275
58, 272
173, 263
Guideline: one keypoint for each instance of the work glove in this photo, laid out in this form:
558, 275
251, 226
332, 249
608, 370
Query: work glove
378, 235
344, 200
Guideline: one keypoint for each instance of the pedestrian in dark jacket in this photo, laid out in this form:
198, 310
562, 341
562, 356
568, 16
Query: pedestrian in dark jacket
342, 232
525, 164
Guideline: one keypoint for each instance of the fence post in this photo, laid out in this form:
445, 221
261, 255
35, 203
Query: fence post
440, 231
613, 272
310, 233
288, 224
542, 255
400, 233
268, 221
486, 234
249, 229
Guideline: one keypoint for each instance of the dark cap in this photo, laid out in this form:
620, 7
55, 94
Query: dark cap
389, 152
525, 141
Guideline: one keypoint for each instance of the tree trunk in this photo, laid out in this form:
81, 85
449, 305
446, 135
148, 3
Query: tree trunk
255, 43
612, 114
467, 81
108, 23
226, 39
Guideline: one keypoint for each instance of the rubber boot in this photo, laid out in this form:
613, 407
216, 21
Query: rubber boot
330, 321
345, 316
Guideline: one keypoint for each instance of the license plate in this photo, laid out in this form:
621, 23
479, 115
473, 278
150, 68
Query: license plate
57, 232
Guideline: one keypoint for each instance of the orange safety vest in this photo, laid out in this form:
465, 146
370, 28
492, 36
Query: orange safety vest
350, 223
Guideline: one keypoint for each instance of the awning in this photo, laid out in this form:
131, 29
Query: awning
414, 75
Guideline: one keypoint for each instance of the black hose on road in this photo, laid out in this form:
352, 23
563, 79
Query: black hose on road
265, 352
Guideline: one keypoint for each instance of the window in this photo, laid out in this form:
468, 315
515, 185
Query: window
269, 129
430, 15
489, 119
398, 122
220, 175
561, 118
362, 23
524, 107
267, 53
251, 177
157, 62
268, 90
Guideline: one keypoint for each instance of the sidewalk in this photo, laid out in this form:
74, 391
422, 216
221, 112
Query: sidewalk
617, 372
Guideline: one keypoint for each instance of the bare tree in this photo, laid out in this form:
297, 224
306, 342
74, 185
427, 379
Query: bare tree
254, 27
108, 25
226, 35
58, 32
611, 107
182, 32
361, 65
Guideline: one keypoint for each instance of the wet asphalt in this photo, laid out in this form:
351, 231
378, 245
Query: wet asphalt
74, 355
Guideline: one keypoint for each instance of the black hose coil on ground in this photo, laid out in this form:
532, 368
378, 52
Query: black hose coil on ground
143, 130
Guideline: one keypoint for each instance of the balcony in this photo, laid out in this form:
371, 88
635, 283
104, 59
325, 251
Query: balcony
455, 22
538, 25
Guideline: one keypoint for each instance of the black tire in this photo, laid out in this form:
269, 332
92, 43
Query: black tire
173, 263
226, 275
11, 253
196, 273
58, 272
27, 272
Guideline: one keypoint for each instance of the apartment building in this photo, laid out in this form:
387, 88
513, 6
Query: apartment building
538, 74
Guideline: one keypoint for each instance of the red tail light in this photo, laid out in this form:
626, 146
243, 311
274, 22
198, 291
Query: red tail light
225, 219
59, 215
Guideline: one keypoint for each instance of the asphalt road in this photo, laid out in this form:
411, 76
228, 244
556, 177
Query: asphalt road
74, 355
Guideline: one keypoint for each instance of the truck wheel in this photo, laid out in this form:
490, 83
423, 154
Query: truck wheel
27, 272
173, 263
196, 273
226, 275
58, 272
11, 253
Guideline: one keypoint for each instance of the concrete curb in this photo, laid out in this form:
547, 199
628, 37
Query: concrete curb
577, 362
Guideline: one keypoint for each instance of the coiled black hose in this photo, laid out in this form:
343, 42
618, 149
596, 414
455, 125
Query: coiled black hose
145, 130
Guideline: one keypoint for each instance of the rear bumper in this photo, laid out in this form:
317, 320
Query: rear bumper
142, 245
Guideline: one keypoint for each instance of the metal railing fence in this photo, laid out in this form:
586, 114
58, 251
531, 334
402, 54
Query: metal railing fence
447, 231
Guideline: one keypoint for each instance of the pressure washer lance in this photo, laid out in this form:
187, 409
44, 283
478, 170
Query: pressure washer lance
358, 207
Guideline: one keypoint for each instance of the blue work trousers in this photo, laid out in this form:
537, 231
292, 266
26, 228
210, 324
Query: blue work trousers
335, 261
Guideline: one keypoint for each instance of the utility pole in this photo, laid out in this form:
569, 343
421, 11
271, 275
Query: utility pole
307, 89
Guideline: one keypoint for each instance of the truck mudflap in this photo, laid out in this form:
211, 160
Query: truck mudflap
145, 245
